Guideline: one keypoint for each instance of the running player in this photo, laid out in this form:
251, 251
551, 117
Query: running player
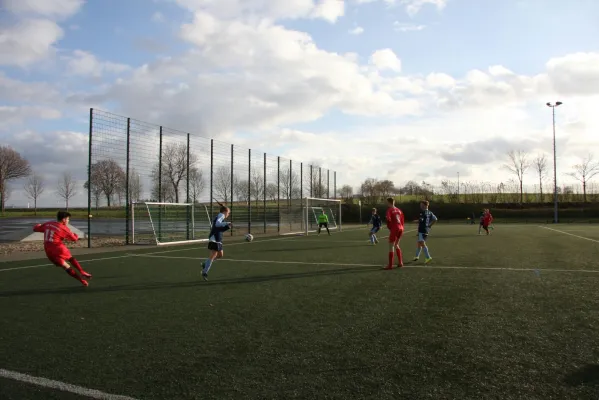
215, 239
426, 220
395, 222
55, 233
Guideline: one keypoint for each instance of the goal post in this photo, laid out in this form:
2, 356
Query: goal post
169, 223
313, 207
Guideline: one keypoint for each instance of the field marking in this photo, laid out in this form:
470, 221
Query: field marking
154, 252
65, 387
571, 234
373, 265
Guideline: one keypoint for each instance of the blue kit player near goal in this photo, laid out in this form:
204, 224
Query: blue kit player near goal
376, 222
215, 239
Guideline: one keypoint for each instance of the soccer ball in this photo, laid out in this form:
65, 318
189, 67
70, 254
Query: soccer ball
249, 238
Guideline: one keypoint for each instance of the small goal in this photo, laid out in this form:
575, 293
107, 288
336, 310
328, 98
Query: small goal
169, 223
313, 207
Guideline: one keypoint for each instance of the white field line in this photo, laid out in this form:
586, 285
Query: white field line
65, 387
373, 265
154, 252
571, 234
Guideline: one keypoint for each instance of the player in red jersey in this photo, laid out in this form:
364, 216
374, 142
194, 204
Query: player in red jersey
395, 222
487, 220
55, 232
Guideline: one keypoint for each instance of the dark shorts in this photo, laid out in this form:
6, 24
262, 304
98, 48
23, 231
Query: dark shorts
325, 224
375, 229
215, 246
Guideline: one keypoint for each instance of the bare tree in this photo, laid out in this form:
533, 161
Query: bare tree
196, 184
34, 189
369, 190
108, 177
518, 164
272, 191
6, 192
12, 166
66, 188
385, 188
540, 165
174, 164
584, 172
288, 181
135, 186
257, 186
222, 184
346, 192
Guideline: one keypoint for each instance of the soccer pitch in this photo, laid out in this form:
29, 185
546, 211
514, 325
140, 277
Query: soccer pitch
513, 315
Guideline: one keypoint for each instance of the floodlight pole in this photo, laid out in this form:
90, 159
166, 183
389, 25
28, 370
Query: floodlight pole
557, 104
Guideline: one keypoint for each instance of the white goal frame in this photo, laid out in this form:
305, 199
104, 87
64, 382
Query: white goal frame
308, 213
158, 242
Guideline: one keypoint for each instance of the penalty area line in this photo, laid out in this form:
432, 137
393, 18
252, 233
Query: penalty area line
62, 386
431, 267
570, 234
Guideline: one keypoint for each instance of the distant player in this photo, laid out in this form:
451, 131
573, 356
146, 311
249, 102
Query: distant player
487, 220
323, 220
426, 220
491, 226
395, 223
55, 232
215, 239
376, 222
481, 221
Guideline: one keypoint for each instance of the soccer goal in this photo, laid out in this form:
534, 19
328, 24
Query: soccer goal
314, 207
169, 223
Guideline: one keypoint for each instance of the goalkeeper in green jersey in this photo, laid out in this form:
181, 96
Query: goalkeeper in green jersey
323, 220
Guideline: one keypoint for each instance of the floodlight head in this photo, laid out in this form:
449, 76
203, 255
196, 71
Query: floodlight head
548, 104
558, 103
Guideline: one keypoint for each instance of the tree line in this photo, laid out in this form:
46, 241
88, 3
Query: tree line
518, 163
168, 181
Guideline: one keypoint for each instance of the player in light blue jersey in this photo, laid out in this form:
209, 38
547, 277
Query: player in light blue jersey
215, 239
426, 220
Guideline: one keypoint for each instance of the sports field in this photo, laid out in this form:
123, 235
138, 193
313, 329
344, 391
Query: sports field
514, 315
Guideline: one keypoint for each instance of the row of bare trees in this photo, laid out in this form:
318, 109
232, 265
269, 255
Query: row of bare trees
519, 162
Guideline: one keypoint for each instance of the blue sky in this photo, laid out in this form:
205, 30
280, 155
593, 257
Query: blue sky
410, 84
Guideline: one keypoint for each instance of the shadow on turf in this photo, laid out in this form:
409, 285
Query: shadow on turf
587, 376
199, 282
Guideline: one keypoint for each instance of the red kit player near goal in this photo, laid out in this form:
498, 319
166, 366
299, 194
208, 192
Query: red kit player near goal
55, 232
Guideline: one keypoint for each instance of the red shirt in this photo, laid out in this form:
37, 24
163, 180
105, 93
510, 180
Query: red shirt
55, 233
488, 219
395, 218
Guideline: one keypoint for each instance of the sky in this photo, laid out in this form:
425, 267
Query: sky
388, 89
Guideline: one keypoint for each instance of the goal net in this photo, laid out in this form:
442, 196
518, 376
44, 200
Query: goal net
169, 223
315, 207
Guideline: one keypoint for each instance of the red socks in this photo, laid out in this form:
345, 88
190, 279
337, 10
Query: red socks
391, 259
399, 257
75, 264
72, 273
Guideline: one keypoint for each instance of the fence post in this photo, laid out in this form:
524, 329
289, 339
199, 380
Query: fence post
335, 185
232, 183
160, 199
89, 181
290, 196
320, 194
328, 183
311, 180
249, 191
278, 194
189, 210
264, 193
212, 175
127, 205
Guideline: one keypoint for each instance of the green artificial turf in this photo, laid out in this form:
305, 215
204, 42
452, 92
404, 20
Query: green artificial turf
510, 316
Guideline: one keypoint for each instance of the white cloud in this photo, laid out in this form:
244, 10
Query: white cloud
46, 8
440, 80
407, 27
86, 64
386, 59
10, 115
28, 41
356, 31
158, 17
329, 10
412, 7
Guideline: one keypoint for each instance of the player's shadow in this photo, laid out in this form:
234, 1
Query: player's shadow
188, 284
585, 376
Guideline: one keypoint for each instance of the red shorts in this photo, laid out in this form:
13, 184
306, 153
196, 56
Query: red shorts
395, 234
58, 254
